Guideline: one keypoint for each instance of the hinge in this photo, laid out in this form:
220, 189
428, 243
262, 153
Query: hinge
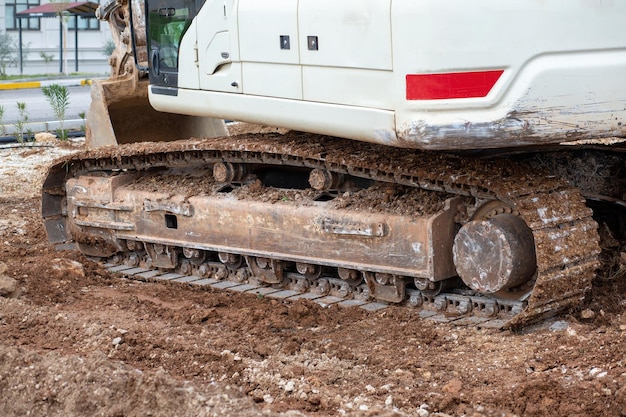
195, 53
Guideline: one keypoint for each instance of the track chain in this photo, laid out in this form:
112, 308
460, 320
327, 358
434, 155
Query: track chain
442, 308
566, 239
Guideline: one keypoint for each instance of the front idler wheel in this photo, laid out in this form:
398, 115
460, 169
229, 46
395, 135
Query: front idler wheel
494, 254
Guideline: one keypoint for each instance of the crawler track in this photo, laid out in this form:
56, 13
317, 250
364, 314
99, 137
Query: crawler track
565, 235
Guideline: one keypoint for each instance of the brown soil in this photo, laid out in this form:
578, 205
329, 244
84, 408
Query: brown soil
79, 341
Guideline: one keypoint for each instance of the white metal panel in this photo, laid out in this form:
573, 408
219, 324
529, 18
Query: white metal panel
350, 86
216, 31
187, 63
217, 53
564, 65
366, 124
261, 24
273, 80
555, 98
351, 33
431, 36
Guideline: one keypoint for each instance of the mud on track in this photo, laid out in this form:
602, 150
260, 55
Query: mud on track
79, 341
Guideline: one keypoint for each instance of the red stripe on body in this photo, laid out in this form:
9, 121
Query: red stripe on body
450, 85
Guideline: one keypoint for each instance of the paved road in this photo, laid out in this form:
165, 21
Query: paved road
37, 106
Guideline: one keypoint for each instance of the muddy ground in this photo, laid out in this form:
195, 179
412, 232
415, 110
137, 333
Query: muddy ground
78, 341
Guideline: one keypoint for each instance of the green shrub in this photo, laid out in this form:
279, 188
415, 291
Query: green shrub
59, 98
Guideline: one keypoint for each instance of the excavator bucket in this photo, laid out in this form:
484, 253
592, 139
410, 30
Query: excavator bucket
121, 113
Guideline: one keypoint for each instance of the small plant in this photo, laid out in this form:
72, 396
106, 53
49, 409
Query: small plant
20, 124
108, 47
82, 115
59, 98
47, 58
3, 129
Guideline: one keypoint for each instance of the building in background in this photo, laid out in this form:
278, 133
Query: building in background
42, 42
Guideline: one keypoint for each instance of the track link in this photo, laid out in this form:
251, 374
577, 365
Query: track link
565, 235
433, 308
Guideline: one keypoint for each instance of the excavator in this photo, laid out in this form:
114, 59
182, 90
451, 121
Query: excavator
464, 159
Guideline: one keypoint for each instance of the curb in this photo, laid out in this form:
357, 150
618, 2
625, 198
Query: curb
49, 126
45, 83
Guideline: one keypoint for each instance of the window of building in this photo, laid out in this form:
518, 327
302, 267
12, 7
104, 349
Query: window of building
83, 23
14, 6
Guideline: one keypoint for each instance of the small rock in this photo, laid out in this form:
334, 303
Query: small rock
257, 395
559, 325
9, 287
453, 387
67, 268
389, 401
117, 341
422, 413
44, 137
386, 387
315, 400
587, 314
290, 386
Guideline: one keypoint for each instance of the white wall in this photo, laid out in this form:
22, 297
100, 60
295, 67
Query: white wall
91, 58
2, 9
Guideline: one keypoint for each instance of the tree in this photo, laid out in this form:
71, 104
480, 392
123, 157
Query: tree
8, 47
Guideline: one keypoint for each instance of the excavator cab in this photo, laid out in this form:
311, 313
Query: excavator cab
167, 23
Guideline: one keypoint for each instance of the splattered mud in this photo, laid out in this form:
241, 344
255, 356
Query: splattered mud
79, 341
